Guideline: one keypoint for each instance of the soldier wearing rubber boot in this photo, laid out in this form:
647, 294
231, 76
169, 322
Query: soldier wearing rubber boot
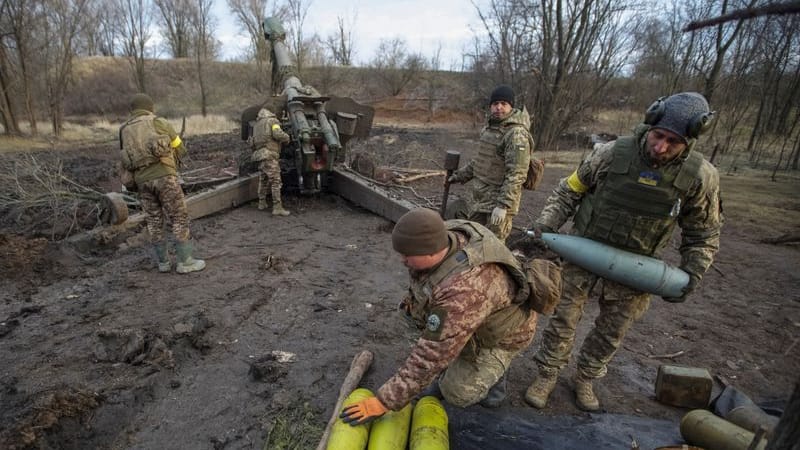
151, 150
467, 295
497, 173
266, 141
631, 194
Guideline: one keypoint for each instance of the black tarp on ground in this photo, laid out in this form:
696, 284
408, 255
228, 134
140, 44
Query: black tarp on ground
477, 428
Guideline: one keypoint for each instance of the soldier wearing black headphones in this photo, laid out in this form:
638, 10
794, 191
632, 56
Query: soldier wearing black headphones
631, 194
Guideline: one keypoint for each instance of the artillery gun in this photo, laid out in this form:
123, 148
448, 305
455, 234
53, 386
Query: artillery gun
320, 126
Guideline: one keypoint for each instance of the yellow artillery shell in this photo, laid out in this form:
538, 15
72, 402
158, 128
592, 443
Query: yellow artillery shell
390, 432
347, 437
429, 426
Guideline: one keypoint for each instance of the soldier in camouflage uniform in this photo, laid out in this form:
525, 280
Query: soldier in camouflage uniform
497, 173
266, 140
150, 150
467, 294
629, 193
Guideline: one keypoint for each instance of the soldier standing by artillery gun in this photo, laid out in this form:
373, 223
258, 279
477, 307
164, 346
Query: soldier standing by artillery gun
266, 141
151, 150
497, 174
629, 194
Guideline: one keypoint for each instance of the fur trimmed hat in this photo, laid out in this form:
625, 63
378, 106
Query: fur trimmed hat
419, 232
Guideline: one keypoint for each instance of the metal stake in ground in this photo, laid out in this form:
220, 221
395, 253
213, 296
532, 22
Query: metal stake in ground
450, 164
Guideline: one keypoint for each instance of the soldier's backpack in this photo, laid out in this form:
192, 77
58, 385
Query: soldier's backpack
535, 167
544, 282
140, 144
535, 173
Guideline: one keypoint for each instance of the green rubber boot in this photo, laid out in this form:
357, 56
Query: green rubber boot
164, 265
186, 263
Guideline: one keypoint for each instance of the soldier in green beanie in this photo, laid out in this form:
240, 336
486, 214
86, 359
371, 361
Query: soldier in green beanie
496, 175
466, 296
150, 150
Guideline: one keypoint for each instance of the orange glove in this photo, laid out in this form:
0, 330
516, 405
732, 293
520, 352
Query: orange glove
363, 411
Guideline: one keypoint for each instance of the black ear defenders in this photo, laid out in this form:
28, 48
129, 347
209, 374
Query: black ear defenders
655, 112
698, 124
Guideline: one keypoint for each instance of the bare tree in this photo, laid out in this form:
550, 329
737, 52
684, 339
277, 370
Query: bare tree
779, 88
7, 111
394, 66
204, 45
64, 19
100, 38
665, 51
340, 43
250, 14
175, 17
716, 42
135, 33
558, 55
21, 19
298, 11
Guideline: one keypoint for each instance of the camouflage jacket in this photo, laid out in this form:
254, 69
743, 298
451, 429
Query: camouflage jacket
463, 302
699, 217
166, 165
514, 150
267, 137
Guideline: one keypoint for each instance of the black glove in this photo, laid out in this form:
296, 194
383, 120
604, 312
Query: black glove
688, 289
535, 233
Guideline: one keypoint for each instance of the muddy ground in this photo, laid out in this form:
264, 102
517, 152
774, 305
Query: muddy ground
99, 350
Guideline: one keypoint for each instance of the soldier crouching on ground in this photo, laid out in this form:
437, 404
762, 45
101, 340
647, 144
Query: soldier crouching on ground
150, 150
467, 294
266, 140
630, 194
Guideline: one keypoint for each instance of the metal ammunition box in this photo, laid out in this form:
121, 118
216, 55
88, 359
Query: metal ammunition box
687, 387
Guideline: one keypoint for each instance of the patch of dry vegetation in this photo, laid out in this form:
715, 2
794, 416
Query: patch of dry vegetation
750, 197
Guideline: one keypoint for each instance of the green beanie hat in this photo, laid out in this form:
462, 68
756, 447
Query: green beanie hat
419, 232
142, 101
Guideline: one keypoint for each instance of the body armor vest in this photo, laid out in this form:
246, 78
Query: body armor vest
263, 144
142, 146
490, 164
637, 207
482, 248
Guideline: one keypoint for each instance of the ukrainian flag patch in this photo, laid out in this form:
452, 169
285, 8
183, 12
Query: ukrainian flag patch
649, 178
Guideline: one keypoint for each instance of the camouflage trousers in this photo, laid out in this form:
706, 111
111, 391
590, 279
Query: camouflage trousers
620, 307
270, 180
163, 198
467, 381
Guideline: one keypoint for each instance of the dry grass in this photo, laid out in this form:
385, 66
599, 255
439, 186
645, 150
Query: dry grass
751, 197
102, 130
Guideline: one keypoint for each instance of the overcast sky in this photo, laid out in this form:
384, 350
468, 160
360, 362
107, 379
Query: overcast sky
423, 24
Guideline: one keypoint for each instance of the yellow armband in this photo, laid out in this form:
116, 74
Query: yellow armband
175, 143
575, 183
275, 126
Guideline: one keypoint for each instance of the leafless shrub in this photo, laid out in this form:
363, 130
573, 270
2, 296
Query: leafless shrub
37, 198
